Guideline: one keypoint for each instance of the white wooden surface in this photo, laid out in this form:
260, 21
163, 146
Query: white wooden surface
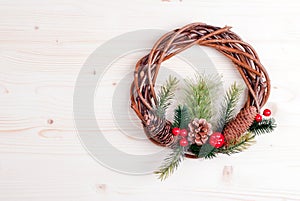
43, 45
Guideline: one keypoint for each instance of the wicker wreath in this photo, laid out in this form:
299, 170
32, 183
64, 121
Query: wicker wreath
244, 57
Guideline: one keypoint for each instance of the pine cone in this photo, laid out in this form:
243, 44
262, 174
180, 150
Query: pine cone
199, 131
158, 129
238, 126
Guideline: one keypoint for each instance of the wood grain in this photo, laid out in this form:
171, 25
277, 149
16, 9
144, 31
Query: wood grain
43, 45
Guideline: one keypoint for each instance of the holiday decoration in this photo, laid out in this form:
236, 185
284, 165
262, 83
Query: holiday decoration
199, 131
217, 140
237, 127
176, 131
183, 142
183, 132
206, 123
267, 112
258, 118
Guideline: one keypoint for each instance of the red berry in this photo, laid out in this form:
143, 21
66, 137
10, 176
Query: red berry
176, 131
258, 118
183, 133
267, 112
183, 142
217, 140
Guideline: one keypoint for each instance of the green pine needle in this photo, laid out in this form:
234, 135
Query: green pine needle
228, 108
171, 163
204, 151
165, 95
211, 155
181, 117
195, 149
200, 95
244, 143
265, 126
208, 152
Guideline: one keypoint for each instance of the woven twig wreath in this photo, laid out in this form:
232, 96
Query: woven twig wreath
144, 98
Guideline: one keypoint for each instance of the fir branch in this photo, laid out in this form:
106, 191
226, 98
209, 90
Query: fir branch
212, 154
204, 151
165, 95
229, 104
244, 143
200, 95
171, 163
181, 117
208, 152
265, 126
195, 149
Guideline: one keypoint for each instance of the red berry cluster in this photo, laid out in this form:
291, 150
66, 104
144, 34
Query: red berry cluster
266, 113
183, 134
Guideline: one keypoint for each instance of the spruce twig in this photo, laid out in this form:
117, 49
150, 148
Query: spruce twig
181, 117
208, 152
171, 163
204, 151
165, 95
229, 104
244, 143
200, 95
265, 126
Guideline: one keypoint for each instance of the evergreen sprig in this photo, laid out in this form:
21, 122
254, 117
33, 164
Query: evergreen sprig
200, 95
171, 163
181, 117
203, 151
265, 126
208, 152
244, 143
229, 104
165, 95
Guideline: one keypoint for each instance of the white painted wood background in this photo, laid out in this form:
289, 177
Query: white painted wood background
43, 45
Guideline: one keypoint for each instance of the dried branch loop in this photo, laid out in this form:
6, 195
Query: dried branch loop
243, 56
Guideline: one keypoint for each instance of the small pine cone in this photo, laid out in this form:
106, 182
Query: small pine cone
159, 130
239, 125
199, 131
